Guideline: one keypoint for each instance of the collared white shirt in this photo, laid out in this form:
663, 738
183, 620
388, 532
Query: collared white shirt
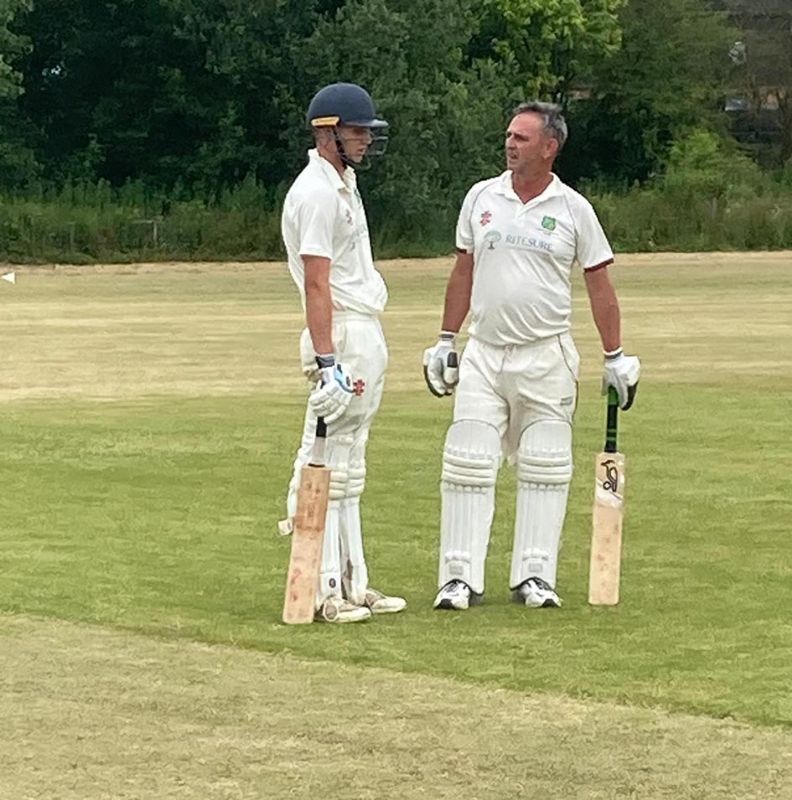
523, 257
323, 215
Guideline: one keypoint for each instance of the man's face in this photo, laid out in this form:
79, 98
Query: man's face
356, 141
527, 144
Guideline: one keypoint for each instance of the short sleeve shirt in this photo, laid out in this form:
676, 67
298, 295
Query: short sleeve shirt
524, 254
323, 215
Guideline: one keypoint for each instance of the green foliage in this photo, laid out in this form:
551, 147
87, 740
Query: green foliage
86, 222
542, 44
667, 78
700, 165
199, 103
711, 197
11, 46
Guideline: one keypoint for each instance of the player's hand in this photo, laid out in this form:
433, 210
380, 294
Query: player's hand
441, 365
333, 394
622, 373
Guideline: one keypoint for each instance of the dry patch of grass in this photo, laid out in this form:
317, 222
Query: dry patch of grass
125, 331
92, 713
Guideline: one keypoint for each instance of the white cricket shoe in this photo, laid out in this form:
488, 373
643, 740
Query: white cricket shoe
337, 609
456, 595
536, 593
379, 603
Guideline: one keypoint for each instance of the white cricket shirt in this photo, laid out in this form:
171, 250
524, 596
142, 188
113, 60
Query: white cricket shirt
523, 257
323, 215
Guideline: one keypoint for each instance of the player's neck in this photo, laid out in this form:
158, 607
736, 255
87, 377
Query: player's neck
529, 185
331, 154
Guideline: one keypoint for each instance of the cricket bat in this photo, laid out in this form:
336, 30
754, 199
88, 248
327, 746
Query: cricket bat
606, 533
305, 561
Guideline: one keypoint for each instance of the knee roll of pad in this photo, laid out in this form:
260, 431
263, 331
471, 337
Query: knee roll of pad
356, 478
339, 479
337, 455
544, 456
471, 455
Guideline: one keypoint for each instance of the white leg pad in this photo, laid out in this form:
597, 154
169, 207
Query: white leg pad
544, 471
302, 458
337, 455
355, 573
330, 572
471, 458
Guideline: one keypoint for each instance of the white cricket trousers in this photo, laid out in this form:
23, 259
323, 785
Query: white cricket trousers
359, 345
511, 387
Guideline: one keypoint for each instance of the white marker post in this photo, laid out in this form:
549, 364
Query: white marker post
9, 277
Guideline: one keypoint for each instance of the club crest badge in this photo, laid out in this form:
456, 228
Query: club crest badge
549, 223
486, 218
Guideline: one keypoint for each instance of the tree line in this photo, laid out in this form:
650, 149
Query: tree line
174, 126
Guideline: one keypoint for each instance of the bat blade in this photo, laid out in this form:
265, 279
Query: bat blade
306, 546
606, 533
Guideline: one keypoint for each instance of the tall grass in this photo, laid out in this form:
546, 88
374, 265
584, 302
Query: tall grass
89, 222
94, 222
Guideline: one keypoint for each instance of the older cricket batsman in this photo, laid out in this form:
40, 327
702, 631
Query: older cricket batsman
518, 237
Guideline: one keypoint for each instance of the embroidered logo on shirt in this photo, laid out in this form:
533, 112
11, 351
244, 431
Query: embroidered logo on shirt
486, 218
549, 223
358, 387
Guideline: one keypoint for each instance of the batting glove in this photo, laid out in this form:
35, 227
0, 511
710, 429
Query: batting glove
622, 373
441, 365
310, 369
333, 394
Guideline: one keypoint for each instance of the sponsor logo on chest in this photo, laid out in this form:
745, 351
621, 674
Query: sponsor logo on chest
539, 236
516, 241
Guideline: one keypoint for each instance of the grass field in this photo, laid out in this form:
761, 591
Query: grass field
149, 418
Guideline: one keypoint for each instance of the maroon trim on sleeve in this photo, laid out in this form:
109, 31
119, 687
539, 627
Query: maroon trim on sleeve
602, 265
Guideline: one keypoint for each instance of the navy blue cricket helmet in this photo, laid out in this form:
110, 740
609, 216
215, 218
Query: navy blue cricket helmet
343, 104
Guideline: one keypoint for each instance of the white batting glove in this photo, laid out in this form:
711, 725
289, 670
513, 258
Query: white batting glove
333, 394
622, 373
311, 370
441, 365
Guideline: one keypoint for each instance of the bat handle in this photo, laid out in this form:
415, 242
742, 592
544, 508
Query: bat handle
612, 424
320, 442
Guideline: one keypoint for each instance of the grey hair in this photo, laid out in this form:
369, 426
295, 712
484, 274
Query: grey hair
552, 115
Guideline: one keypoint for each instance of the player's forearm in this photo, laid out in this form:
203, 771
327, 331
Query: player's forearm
608, 321
604, 309
319, 318
458, 291
319, 304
